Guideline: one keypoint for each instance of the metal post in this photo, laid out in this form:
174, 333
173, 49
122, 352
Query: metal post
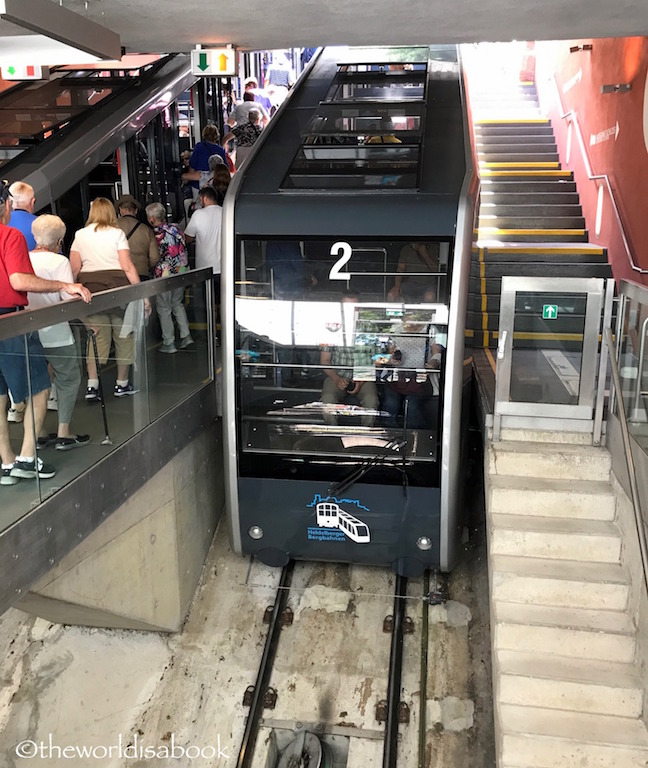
637, 413
634, 490
600, 390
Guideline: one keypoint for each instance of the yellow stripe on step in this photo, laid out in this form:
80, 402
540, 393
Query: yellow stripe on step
496, 231
527, 174
504, 165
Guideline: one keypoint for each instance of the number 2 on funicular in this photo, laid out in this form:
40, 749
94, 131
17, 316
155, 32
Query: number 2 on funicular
344, 251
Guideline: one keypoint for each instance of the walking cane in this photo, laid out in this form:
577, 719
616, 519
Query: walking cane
106, 440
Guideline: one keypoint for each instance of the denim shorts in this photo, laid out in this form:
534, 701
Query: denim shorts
13, 367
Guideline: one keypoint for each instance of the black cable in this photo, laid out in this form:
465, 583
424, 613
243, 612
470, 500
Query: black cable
362, 470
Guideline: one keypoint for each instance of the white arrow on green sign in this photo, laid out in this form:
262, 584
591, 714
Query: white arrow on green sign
549, 311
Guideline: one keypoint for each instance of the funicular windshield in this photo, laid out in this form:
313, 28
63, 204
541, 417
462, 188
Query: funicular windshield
340, 347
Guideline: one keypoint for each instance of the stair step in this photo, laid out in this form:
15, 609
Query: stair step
543, 158
497, 97
533, 268
577, 685
522, 174
526, 209
522, 222
525, 163
547, 460
559, 583
554, 497
565, 254
515, 140
555, 537
545, 738
495, 235
530, 629
528, 186
598, 623
515, 114
511, 129
522, 197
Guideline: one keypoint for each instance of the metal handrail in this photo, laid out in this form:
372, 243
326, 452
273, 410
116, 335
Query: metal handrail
598, 177
74, 309
627, 446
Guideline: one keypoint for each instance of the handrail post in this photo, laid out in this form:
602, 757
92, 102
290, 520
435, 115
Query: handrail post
636, 410
627, 445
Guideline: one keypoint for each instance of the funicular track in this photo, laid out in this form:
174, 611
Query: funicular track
307, 749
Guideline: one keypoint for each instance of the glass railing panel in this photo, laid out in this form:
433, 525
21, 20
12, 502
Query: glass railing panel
92, 409
178, 321
633, 367
547, 348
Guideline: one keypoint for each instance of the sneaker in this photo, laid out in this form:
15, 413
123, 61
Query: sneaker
68, 443
46, 441
127, 389
168, 349
16, 415
6, 478
27, 469
92, 394
186, 342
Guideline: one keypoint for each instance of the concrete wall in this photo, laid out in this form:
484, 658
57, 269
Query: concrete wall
615, 133
140, 568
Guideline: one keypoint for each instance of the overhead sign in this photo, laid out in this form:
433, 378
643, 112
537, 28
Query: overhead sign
214, 62
25, 72
549, 311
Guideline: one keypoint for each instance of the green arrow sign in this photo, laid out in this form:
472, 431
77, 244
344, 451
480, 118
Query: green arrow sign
549, 311
202, 62
11, 70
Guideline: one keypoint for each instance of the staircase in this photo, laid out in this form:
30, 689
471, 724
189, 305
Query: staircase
565, 674
564, 611
530, 218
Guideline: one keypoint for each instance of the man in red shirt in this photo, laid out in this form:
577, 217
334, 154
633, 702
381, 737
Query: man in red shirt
16, 278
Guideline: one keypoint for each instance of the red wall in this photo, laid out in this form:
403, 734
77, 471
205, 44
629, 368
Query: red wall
622, 155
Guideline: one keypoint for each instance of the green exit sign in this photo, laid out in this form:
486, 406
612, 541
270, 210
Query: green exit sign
549, 311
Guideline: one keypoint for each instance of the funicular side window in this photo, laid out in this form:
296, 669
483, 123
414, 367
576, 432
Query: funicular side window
340, 346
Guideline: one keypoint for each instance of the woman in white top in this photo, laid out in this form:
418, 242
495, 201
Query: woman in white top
100, 260
57, 340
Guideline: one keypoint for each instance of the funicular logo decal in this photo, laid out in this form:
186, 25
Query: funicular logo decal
336, 523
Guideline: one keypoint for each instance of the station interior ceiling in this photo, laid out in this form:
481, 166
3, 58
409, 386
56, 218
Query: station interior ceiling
166, 26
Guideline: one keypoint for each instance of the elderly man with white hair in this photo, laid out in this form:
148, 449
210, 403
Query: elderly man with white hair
22, 210
57, 340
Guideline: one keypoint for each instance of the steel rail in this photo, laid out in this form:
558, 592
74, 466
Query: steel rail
246, 752
390, 750
423, 674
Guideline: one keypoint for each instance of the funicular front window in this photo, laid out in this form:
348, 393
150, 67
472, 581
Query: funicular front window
340, 347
